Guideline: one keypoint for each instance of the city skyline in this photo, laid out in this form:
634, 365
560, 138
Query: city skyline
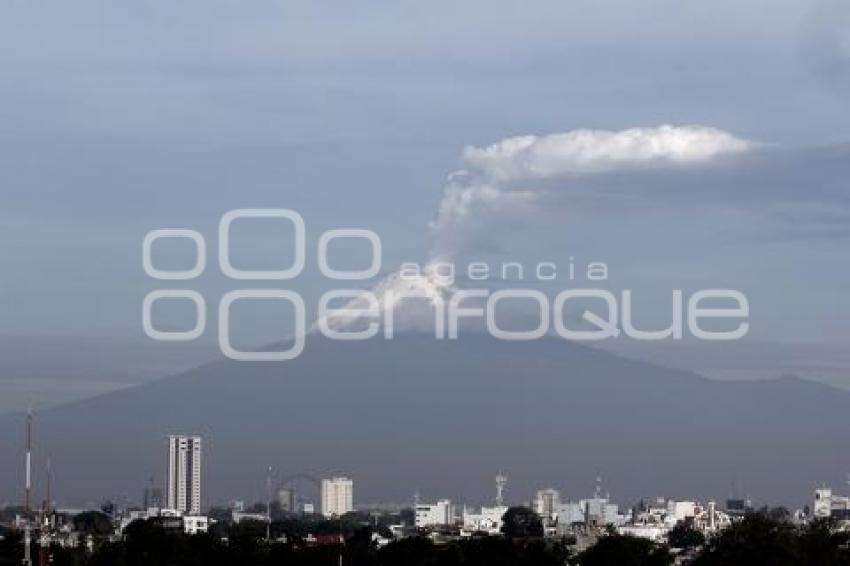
334, 494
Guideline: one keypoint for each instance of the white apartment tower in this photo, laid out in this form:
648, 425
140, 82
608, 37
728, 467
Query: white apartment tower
184, 474
337, 497
547, 501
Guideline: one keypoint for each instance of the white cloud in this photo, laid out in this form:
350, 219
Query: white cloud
590, 151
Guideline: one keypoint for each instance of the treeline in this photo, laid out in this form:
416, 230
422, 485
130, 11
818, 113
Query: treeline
757, 539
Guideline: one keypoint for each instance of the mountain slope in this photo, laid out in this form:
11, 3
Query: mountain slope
442, 417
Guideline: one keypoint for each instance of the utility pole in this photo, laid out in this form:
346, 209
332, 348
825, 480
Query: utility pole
49, 485
27, 500
27, 543
49, 504
269, 506
28, 487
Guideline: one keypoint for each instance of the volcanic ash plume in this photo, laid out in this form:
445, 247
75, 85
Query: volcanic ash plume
508, 179
412, 298
507, 182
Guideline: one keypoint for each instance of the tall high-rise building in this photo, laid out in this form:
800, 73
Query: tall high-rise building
184, 474
337, 497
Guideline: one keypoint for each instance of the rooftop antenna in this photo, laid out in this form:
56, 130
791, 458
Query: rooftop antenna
49, 485
501, 482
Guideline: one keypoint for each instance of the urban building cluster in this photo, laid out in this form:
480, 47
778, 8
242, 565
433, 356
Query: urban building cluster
583, 521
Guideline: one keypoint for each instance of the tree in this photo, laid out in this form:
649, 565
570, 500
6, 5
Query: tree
360, 549
11, 549
822, 544
685, 536
416, 551
779, 514
93, 523
521, 522
108, 508
145, 542
757, 539
220, 515
625, 550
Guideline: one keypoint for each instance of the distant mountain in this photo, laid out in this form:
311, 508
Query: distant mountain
442, 417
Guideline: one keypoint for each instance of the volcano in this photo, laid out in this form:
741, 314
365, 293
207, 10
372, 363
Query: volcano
442, 417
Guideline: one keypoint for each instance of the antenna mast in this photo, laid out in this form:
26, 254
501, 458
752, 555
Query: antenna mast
501, 482
269, 506
49, 485
28, 487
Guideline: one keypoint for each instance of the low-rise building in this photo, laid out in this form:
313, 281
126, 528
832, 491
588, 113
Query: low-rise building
439, 514
239, 517
830, 505
487, 520
655, 533
195, 524
169, 519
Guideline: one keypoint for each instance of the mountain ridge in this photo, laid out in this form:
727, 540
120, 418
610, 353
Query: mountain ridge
443, 416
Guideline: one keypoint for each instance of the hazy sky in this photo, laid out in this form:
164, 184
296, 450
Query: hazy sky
116, 119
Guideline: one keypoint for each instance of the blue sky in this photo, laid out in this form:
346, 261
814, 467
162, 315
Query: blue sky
116, 119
